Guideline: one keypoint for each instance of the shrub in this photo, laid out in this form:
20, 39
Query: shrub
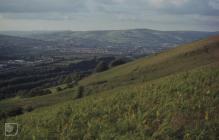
58, 89
28, 108
15, 111
117, 62
70, 85
36, 92
2, 115
80, 92
101, 66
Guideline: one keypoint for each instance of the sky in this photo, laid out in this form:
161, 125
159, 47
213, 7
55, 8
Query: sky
83, 15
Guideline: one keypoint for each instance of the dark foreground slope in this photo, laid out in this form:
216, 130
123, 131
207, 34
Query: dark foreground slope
174, 95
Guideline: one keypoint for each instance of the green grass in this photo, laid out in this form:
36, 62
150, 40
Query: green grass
176, 60
178, 106
129, 68
173, 95
39, 101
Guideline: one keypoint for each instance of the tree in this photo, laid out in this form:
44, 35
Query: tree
117, 62
101, 66
58, 89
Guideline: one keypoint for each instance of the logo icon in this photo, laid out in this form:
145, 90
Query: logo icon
11, 129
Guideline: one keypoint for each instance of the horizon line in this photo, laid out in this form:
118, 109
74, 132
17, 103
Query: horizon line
93, 30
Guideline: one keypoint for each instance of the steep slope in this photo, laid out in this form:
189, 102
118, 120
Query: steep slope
182, 58
173, 95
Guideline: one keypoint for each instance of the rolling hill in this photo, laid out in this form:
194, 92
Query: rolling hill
170, 95
117, 38
13, 46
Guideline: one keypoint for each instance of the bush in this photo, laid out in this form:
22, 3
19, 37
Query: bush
70, 85
36, 92
15, 111
80, 92
2, 115
72, 78
58, 89
117, 62
101, 66
28, 108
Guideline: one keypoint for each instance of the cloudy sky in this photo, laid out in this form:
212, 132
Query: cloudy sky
200, 15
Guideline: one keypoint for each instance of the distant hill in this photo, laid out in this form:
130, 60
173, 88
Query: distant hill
16, 46
117, 38
171, 95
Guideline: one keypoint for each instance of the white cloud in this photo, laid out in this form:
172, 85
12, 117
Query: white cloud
109, 14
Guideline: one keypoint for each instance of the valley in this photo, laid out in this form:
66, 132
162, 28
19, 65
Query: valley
106, 92
172, 94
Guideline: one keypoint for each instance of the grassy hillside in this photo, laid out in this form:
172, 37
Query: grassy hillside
11, 104
182, 58
172, 95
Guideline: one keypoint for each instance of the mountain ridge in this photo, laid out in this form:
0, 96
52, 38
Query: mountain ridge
118, 38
